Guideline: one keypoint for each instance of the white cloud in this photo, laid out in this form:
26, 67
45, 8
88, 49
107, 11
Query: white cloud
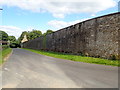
60, 8
13, 31
61, 24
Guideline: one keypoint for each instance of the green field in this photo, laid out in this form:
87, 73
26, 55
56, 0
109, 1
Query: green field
77, 58
4, 53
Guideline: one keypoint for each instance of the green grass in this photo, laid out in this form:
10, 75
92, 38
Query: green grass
4, 53
77, 58
1, 61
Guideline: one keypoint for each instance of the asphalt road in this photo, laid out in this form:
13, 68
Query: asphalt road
25, 69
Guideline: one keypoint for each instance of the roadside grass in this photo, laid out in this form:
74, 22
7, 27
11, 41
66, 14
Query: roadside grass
4, 53
77, 58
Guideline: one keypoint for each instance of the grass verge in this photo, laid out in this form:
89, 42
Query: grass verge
77, 58
4, 53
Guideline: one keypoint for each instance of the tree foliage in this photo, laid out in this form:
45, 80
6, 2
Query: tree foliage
11, 38
13, 42
48, 32
3, 36
34, 34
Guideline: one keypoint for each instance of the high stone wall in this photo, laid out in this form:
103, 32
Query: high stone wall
97, 37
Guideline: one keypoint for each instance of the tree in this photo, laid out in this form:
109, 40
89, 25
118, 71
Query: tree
11, 38
48, 32
15, 44
3, 36
34, 34
30, 35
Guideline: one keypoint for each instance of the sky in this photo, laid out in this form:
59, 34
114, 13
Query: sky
25, 15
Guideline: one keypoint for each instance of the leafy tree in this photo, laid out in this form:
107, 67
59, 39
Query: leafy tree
3, 36
34, 34
11, 38
15, 44
30, 35
48, 32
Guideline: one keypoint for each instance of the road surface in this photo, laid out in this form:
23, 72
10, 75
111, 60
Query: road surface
25, 69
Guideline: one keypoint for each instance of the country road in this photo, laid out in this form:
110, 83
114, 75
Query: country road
25, 69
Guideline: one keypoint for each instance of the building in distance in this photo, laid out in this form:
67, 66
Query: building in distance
24, 39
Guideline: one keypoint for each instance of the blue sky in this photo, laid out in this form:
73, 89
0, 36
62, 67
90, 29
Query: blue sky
18, 16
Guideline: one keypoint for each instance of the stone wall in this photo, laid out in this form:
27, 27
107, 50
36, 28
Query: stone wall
97, 37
